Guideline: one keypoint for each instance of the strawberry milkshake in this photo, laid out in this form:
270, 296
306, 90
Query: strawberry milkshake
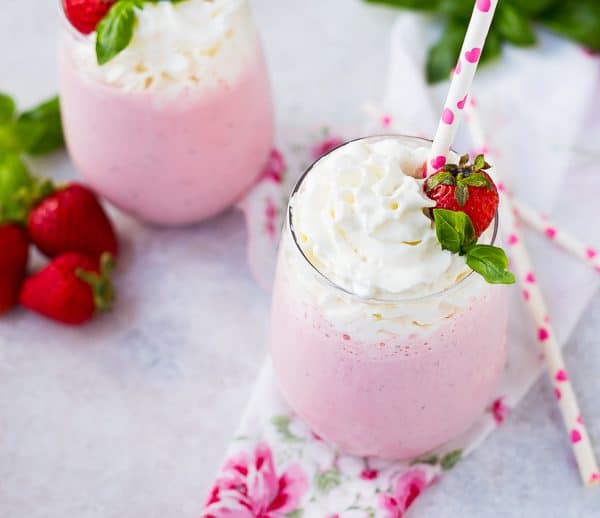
176, 126
384, 342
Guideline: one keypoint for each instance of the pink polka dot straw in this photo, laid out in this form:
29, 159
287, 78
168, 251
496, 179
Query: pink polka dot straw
464, 72
545, 335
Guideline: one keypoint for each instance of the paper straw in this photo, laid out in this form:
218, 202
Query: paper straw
466, 66
546, 337
588, 254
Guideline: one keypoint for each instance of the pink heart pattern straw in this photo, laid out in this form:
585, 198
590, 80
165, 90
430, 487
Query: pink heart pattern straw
464, 72
588, 254
546, 338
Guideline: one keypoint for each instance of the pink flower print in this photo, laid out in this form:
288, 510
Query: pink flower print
551, 232
408, 487
271, 213
325, 146
499, 410
575, 436
591, 253
275, 167
369, 474
248, 487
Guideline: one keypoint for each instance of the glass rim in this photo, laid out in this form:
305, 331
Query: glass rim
412, 299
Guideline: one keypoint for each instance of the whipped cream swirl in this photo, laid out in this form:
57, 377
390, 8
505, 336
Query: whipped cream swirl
360, 218
194, 44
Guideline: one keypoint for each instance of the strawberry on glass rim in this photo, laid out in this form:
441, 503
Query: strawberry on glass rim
468, 188
85, 15
466, 203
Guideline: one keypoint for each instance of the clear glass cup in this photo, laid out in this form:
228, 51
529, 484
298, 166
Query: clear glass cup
388, 378
178, 130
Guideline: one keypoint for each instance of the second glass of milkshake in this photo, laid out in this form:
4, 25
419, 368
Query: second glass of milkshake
383, 342
177, 126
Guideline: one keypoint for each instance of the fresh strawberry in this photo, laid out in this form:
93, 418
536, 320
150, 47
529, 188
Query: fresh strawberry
70, 288
71, 220
85, 15
14, 253
468, 188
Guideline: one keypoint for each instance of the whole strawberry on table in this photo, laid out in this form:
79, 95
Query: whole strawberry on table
68, 225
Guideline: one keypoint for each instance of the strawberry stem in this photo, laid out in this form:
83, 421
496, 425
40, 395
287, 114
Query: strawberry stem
102, 287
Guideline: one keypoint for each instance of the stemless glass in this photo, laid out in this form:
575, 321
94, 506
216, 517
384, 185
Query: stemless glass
177, 154
387, 378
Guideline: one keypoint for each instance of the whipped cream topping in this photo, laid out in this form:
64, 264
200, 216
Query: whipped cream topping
360, 218
194, 44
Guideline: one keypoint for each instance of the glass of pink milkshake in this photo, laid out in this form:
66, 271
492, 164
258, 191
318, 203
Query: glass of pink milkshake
381, 341
176, 127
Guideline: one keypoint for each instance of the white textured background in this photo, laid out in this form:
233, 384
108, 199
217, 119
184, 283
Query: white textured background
133, 420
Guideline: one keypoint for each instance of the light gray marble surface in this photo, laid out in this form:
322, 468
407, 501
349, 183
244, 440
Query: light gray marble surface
134, 420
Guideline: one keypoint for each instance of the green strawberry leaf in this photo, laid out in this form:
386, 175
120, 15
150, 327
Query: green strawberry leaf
40, 130
454, 230
442, 57
428, 459
476, 180
115, 31
443, 178
491, 263
8, 108
514, 26
461, 194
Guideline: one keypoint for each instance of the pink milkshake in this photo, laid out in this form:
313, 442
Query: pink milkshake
176, 127
384, 343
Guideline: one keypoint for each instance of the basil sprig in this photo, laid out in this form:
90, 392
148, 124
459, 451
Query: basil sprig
456, 234
34, 132
115, 31
577, 20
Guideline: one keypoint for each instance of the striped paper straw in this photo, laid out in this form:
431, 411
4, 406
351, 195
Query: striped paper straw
466, 66
546, 337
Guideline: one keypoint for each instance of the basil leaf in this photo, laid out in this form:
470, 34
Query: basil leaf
417, 5
491, 263
532, 7
442, 57
15, 181
577, 20
514, 26
115, 31
493, 46
454, 230
40, 129
461, 9
7, 108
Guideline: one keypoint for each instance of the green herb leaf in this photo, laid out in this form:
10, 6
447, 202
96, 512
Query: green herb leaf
576, 19
115, 31
476, 180
454, 230
444, 178
533, 7
417, 5
514, 26
493, 46
40, 130
491, 263
442, 57
15, 182
460, 9
7, 108
451, 459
